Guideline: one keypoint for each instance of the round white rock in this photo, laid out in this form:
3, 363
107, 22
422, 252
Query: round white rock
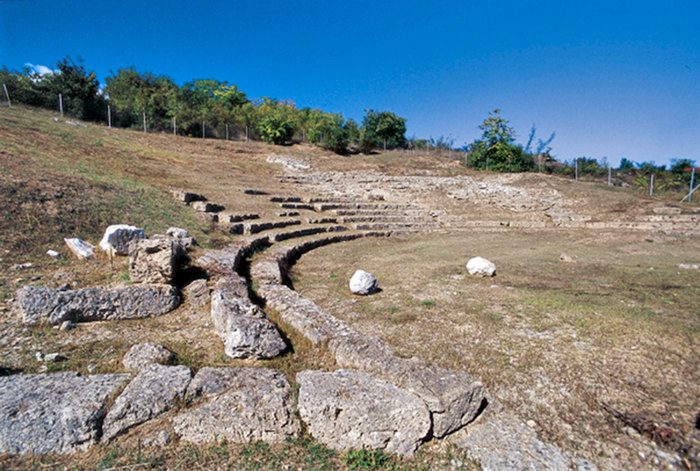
363, 282
478, 266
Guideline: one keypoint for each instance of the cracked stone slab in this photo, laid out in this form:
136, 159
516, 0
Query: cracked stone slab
154, 390
143, 354
56, 413
503, 443
349, 409
246, 331
249, 404
453, 397
38, 305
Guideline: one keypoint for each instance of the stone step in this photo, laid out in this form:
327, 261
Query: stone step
322, 220
384, 218
288, 214
279, 237
329, 200
229, 217
374, 212
286, 199
207, 206
361, 205
682, 218
251, 191
298, 206
393, 226
255, 227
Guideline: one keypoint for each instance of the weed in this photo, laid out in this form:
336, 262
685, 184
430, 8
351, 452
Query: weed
428, 303
110, 459
393, 309
366, 459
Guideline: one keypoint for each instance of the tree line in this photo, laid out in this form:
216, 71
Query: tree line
215, 109
199, 108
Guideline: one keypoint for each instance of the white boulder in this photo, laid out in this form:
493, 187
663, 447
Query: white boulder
177, 232
81, 249
478, 266
363, 282
117, 238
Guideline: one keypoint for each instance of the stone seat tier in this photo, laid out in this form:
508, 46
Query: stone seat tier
376, 212
285, 199
394, 226
384, 218
452, 397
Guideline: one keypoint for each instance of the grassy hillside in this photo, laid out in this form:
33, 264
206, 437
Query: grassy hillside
551, 340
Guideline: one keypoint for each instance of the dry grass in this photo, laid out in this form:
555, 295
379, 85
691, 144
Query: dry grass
551, 340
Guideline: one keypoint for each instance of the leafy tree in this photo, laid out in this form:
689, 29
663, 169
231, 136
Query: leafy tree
626, 164
496, 149
78, 87
678, 167
650, 167
382, 128
132, 94
278, 121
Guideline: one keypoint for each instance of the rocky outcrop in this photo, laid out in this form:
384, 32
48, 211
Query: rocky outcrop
38, 305
153, 261
118, 238
350, 409
154, 390
53, 413
143, 354
249, 404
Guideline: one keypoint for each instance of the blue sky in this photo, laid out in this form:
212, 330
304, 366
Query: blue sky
612, 78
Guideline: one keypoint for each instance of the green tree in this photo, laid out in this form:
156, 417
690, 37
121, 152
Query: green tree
78, 87
626, 164
132, 93
382, 128
496, 149
278, 121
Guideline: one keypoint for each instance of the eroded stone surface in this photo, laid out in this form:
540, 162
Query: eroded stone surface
53, 413
251, 404
153, 261
453, 397
350, 409
39, 305
118, 237
197, 293
250, 337
502, 443
143, 354
83, 250
154, 390
210, 381
246, 332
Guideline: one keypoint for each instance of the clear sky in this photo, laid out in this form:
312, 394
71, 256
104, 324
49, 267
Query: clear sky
612, 78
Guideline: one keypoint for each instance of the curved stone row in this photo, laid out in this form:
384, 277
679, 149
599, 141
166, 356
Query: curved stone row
453, 398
